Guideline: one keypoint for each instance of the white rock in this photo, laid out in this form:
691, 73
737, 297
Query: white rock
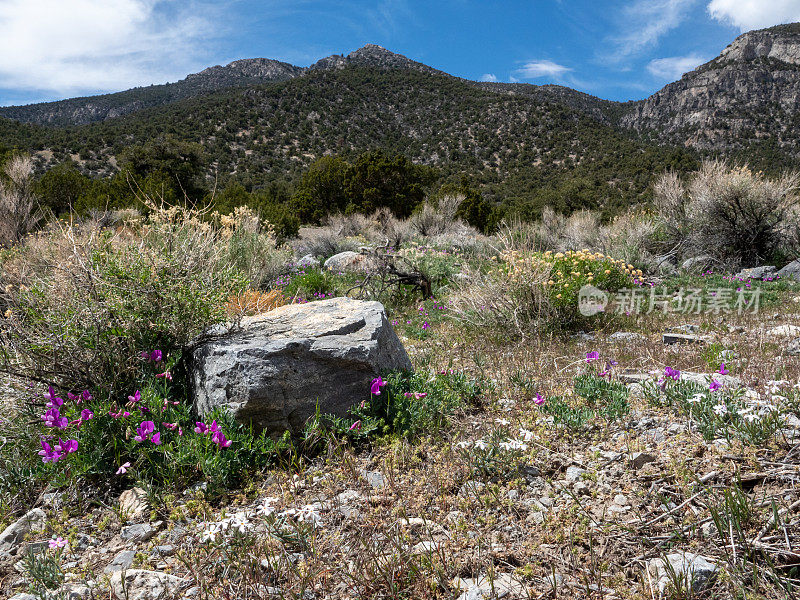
133, 503
14, 534
694, 572
139, 584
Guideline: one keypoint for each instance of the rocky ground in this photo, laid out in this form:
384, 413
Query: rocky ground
505, 504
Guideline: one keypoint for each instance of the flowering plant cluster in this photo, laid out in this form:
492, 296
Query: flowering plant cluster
149, 435
720, 410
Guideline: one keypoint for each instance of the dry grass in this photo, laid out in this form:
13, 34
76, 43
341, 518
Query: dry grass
254, 302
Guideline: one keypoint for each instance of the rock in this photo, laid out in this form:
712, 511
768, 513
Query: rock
627, 336
581, 488
729, 381
784, 331
374, 478
793, 347
133, 503
24, 596
640, 459
139, 584
71, 591
122, 561
349, 261
277, 368
308, 261
141, 532
697, 264
790, 271
682, 338
13, 535
664, 264
503, 585
574, 473
693, 572
756, 273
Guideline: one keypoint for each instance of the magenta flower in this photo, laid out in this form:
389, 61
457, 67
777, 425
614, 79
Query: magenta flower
86, 396
49, 454
219, 439
53, 418
213, 428
539, 400
671, 373
356, 426
123, 468
375, 387
86, 414
714, 385
67, 447
154, 356
166, 375
54, 401
592, 356
137, 396
722, 370
145, 432
200, 427
73, 398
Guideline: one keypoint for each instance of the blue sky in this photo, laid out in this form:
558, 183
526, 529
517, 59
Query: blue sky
615, 49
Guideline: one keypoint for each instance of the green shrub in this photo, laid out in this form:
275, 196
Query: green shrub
594, 397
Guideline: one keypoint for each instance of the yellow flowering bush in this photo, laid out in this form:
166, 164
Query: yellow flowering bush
560, 276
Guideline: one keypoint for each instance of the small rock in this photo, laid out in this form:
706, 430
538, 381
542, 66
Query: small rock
426, 547
784, 331
24, 596
165, 550
581, 488
349, 261
13, 535
139, 584
574, 473
141, 532
133, 503
308, 261
756, 273
697, 264
793, 347
503, 585
374, 478
627, 336
640, 459
693, 572
122, 561
682, 338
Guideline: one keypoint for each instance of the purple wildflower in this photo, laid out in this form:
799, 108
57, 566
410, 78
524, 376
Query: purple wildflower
722, 370
375, 387
592, 356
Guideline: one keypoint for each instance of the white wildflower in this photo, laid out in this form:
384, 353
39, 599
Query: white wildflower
481, 444
720, 409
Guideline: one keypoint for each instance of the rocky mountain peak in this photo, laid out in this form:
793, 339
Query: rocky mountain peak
372, 55
779, 43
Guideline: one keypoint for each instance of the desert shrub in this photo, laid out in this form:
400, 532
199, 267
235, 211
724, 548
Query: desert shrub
252, 247
308, 284
82, 302
732, 214
542, 288
629, 236
324, 242
19, 212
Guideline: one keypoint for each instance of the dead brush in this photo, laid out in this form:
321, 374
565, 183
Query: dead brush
254, 302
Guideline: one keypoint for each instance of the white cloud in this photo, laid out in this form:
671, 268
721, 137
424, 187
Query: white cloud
541, 68
75, 46
754, 14
673, 67
488, 77
644, 22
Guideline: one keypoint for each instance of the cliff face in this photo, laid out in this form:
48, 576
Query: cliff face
750, 92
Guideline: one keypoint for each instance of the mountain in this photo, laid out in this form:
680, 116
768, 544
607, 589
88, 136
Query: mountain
748, 96
240, 73
261, 120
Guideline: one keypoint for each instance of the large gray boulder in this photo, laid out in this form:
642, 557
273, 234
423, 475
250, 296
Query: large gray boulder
13, 535
350, 261
274, 369
790, 271
765, 272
